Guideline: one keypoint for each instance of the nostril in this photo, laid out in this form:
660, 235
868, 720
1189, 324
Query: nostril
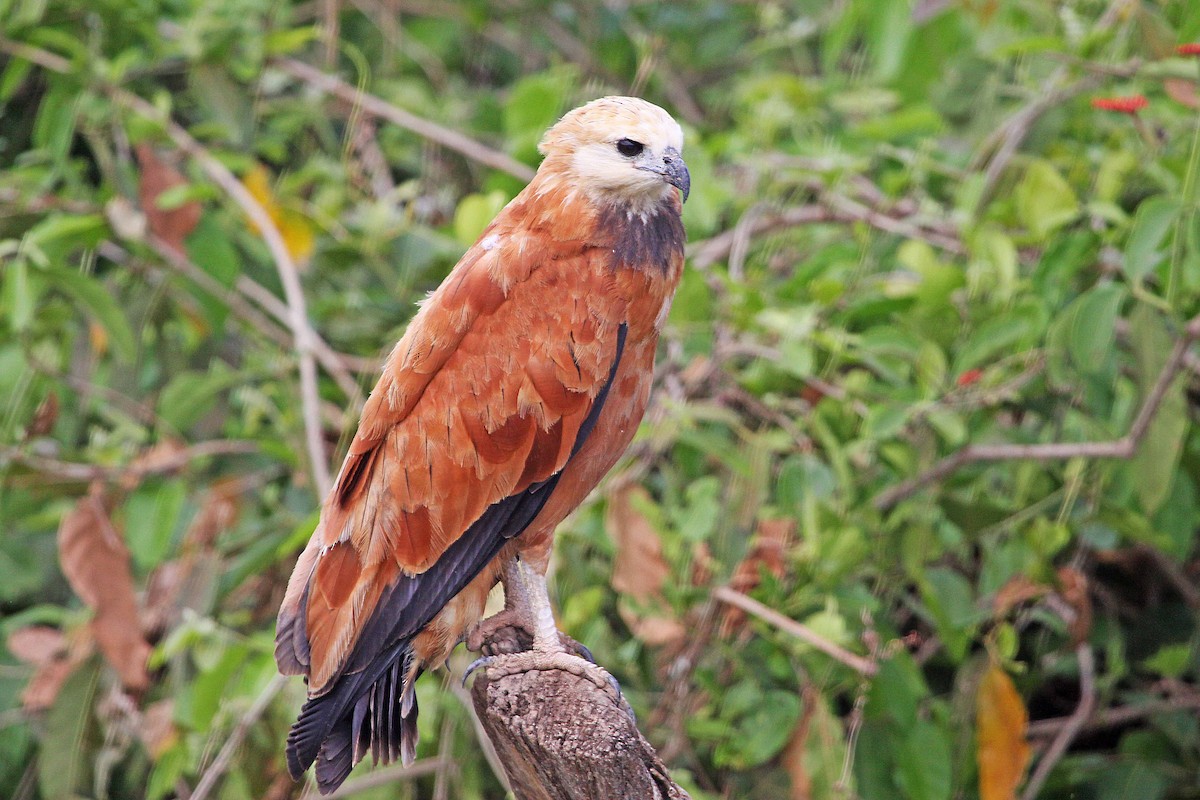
666, 159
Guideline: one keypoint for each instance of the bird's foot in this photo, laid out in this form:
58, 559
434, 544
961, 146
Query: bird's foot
500, 634
501, 666
504, 633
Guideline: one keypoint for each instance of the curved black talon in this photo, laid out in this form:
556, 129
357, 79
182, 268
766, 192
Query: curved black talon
482, 661
584, 652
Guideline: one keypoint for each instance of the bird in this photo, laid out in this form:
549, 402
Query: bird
515, 388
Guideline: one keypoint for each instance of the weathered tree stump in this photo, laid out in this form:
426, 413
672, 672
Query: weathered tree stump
562, 737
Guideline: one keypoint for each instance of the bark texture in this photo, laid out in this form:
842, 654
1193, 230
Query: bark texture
562, 737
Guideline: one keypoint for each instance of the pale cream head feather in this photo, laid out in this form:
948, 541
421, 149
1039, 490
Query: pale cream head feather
619, 149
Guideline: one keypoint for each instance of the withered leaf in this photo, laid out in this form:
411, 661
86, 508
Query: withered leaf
44, 417
1074, 588
95, 560
1182, 90
37, 644
640, 570
157, 176
1001, 720
768, 550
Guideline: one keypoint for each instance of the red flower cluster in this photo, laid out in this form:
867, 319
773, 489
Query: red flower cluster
1124, 105
969, 377
1189, 49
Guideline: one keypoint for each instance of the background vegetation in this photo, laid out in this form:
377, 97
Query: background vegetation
928, 387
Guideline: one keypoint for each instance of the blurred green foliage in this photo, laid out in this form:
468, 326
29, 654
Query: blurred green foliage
911, 232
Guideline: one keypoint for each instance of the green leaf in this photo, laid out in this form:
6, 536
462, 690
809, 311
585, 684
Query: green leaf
949, 598
1171, 660
473, 214
995, 338
897, 691
1158, 454
1153, 220
13, 77
190, 395
924, 763
20, 295
1045, 201
68, 749
54, 127
151, 517
1091, 326
92, 295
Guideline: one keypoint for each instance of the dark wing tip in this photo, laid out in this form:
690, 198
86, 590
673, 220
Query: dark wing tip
337, 729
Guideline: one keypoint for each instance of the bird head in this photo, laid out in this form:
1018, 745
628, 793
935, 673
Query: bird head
619, 150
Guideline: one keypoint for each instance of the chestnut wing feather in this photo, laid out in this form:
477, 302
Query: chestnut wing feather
480, 406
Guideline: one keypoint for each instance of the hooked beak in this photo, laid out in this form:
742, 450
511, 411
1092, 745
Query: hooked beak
674, 171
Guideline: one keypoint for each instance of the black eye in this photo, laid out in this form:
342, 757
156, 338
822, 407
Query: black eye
629, 148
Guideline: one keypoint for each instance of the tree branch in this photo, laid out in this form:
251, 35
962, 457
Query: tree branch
1122, 448
215, 770
799, 630
72, 471
377, 107
289, 276
1073, 724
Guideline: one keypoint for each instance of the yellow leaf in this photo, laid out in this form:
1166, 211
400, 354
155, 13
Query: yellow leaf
297, 232
1001, 722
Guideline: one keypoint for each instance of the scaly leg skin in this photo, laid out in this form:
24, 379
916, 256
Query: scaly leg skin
511, 630
527, 601
507, 631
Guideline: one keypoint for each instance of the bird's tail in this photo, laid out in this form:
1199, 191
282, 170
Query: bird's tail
371, 711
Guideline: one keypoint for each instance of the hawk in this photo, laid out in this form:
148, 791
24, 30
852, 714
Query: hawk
514, 389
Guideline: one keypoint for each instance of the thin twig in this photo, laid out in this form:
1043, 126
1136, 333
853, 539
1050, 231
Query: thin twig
338, 365
171, 462
1112, 717
709, 251
799, 630
1073, 724
377, 107
1122, 448
392, 774
220, 764
285, 265
289, 276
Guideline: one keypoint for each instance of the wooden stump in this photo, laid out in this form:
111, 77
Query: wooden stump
561, 737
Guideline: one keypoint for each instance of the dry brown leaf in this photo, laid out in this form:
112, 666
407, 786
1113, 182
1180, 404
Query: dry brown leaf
95, 560
157, 731
1001, 721
218, 512
54, 654
37, 644
1182, 90
795, 751
157, 176
1019, 589
43, 688
640, 570
1073, 586
768, 551
177, 584
44, 417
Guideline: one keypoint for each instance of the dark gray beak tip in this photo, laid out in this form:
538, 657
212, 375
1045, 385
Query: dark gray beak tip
676, 173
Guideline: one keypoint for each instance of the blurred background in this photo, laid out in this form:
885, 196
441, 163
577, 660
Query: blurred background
928, 388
